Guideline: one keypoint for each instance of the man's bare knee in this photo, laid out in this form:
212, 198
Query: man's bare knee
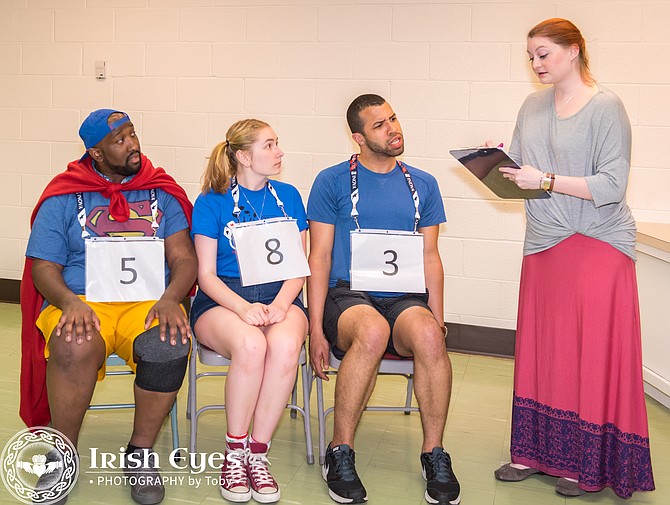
431, 344
419, 335
369, 337
69, 355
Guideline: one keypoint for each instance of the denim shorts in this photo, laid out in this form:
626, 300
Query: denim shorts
260, 293
341, 297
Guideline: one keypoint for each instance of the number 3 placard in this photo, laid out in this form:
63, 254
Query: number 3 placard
387, 261
269, 250
124, 269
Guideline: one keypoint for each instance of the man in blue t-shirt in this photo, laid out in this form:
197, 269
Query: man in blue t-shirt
112, 191
375, 191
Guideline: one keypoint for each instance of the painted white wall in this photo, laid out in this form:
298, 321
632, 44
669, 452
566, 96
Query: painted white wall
456, 73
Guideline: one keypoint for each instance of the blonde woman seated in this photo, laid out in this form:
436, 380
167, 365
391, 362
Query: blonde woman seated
262, 327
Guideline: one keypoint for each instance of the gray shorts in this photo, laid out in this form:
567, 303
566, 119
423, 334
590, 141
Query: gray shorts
341, 297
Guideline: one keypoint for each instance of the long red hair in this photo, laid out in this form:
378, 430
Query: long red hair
564, 33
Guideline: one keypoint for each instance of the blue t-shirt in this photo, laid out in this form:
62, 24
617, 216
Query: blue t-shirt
56, 233
385, 203
213, 212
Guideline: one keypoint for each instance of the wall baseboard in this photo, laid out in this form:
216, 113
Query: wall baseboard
9, 290
484, 340
464, 338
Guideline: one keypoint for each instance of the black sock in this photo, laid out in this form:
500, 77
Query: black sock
133, 448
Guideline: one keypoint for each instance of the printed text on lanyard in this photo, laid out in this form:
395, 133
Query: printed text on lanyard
123, 269
267, 250
386, 260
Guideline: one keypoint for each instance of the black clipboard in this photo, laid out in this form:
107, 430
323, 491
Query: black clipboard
484, 162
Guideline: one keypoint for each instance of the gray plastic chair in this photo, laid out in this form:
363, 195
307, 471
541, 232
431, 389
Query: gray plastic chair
207, 356
389, 366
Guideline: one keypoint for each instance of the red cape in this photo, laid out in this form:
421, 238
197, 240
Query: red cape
79, 177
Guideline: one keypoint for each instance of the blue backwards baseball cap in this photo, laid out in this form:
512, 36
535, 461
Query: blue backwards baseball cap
95, 126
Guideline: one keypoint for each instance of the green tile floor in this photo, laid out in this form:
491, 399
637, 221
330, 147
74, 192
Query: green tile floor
387, 445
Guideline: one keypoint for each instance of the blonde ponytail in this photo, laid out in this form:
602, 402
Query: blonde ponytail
222, 163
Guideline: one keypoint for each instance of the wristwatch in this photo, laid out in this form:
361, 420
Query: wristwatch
547, 183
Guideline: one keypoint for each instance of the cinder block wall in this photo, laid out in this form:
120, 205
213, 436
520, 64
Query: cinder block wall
456, 73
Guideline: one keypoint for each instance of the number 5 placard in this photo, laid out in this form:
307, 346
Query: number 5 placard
269, 250
124, 269
387, 261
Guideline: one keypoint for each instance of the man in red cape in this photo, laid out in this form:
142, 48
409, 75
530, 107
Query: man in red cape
113, 166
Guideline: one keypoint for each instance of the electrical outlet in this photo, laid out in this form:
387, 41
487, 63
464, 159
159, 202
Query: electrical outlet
100, 69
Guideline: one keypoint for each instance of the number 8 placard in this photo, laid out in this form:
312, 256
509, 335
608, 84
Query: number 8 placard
269, 250
387, 261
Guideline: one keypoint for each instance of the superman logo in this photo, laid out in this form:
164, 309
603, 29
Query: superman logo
103, 224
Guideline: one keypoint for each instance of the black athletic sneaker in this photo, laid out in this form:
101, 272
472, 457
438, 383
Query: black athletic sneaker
441, 484
339, 471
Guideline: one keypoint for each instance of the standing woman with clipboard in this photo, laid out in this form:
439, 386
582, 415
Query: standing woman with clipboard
579, 410
260, 327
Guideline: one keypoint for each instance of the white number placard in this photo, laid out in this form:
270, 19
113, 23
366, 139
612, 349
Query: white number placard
387, 260
124, 269
269, 250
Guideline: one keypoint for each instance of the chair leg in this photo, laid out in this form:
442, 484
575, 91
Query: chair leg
188, 393
294, 396
192, 407
408, 401
306, 379
174, 425
322, 421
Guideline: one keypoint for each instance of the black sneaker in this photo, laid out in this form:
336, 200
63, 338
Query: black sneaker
441, 484
339, 471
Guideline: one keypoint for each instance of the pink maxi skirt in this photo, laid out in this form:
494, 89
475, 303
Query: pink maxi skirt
579, 409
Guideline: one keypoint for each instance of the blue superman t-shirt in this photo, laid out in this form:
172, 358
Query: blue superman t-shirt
56, 233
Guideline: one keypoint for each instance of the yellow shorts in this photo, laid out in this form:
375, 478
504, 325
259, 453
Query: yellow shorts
120, 324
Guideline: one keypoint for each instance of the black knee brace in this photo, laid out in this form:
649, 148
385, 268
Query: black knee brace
160, 366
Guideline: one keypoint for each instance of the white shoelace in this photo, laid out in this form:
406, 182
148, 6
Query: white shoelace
258, 469
235, 471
